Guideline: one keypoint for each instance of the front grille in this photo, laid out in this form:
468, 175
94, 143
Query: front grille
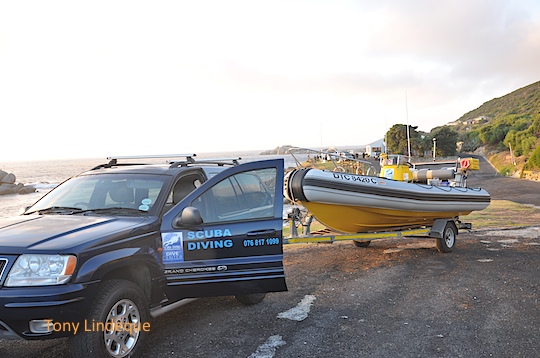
3, 264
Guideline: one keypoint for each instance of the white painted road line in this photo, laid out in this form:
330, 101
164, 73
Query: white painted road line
300, 312
268, 348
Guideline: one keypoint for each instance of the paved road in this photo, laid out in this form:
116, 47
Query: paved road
504, 188
397, 298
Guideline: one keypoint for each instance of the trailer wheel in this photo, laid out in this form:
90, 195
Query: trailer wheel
448, 241
361, 243
251, 299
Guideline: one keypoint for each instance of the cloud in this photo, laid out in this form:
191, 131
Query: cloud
140, 76
473, 40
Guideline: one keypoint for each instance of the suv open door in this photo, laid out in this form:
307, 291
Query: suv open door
225, 237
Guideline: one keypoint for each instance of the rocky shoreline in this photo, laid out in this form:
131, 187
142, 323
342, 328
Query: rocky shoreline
8, 185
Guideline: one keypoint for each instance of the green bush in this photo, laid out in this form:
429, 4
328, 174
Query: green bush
507, 170
534, 160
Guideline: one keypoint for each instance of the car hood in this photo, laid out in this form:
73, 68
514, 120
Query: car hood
58, 232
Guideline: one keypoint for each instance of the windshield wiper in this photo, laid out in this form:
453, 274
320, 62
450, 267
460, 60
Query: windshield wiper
115, 208
55, 209
68, 210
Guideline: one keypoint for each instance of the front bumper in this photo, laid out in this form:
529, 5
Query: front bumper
65, 305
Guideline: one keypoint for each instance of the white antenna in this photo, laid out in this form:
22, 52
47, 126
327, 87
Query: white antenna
408, 134
386, 137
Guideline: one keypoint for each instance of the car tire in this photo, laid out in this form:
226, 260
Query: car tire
123, 304
251, 299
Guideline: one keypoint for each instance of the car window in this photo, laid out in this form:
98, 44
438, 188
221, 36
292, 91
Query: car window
140, 194
182, 188
244, 196
105, 191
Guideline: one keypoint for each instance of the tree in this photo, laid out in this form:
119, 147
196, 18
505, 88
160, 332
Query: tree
524, 141
470, 141
446, 141
396, 139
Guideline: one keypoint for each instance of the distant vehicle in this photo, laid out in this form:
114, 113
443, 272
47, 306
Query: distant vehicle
346, 155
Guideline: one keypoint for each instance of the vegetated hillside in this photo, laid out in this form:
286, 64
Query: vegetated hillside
524, 101
511, 122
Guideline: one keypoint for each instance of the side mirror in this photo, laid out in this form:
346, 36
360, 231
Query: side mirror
190, 216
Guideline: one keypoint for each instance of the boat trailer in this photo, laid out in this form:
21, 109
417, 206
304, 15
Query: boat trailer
444, 231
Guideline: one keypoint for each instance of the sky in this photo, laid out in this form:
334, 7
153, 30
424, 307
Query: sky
90, 79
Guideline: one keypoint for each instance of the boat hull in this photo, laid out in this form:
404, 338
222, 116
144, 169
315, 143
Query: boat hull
356, 203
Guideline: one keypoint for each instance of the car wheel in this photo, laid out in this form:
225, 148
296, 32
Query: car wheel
116, 325
251, 299
447, 242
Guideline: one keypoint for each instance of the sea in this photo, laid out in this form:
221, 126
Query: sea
44, 175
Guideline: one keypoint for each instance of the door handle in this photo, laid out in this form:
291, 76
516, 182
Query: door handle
270, 232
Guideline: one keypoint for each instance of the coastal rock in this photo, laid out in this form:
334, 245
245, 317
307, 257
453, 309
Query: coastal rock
8, 186
8, 179
27, 190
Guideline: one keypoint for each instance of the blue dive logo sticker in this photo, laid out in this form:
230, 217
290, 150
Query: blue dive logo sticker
173, 247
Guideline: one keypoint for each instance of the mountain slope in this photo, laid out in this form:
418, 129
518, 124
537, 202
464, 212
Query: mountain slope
521, 103
509, 122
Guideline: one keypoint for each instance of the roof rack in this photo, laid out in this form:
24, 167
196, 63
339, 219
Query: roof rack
188, 159
219, 161
113, 160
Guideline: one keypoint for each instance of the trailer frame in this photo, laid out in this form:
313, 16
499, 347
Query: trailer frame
444, 231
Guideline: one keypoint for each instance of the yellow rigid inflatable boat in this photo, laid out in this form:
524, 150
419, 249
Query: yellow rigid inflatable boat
357, 203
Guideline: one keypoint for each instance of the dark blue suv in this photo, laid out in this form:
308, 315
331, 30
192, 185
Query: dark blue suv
106, 251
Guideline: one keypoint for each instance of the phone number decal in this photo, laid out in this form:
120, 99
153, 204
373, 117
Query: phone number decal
261, 242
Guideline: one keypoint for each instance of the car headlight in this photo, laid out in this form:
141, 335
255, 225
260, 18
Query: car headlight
41, 270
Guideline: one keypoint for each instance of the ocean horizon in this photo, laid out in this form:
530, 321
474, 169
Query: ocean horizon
44, 175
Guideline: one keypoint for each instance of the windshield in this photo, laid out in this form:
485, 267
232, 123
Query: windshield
136, 192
